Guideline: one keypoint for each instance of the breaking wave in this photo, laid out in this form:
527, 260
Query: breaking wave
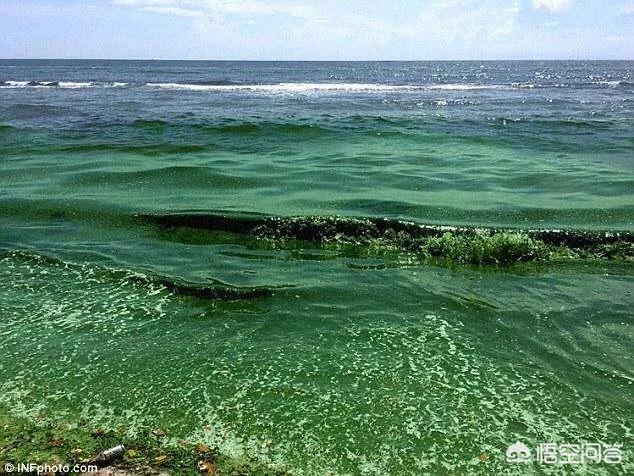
46, 84
305, 87
459, 244
322, 87
154, 284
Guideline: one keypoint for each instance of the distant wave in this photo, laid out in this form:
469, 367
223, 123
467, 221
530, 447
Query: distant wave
224, 86
308, 88
285, 87
369, 87
613, 84
466, 87
579, 85
58, 84
45, 84
324, 87
165, 135
218, 82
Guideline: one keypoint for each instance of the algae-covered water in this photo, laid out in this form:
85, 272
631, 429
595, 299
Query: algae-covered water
170, 258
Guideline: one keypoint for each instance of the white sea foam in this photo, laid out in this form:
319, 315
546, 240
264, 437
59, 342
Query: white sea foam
611, 84
284, 87
307, 88
523, 85
46, 84
294, 88
73, 85
465, 87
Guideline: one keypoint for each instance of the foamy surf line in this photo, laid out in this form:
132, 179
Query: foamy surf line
58, 84
320, 87
264, 88
301, 88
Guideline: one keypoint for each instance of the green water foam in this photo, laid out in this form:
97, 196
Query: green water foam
382, 395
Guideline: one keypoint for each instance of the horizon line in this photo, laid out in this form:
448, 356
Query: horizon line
318, 60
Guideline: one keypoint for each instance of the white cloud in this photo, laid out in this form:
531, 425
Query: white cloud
552, 5
181, 12
209, 7
466, 24
330, 29
627, 8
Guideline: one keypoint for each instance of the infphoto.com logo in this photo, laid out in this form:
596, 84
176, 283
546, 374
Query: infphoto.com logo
565, 453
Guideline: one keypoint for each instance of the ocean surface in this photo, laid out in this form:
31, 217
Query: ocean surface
151, 274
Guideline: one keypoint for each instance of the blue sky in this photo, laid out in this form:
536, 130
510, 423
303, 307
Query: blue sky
317, 29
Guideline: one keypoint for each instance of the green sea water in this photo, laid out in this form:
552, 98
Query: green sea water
147, 283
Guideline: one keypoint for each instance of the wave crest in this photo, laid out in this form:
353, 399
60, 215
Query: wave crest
460, 244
